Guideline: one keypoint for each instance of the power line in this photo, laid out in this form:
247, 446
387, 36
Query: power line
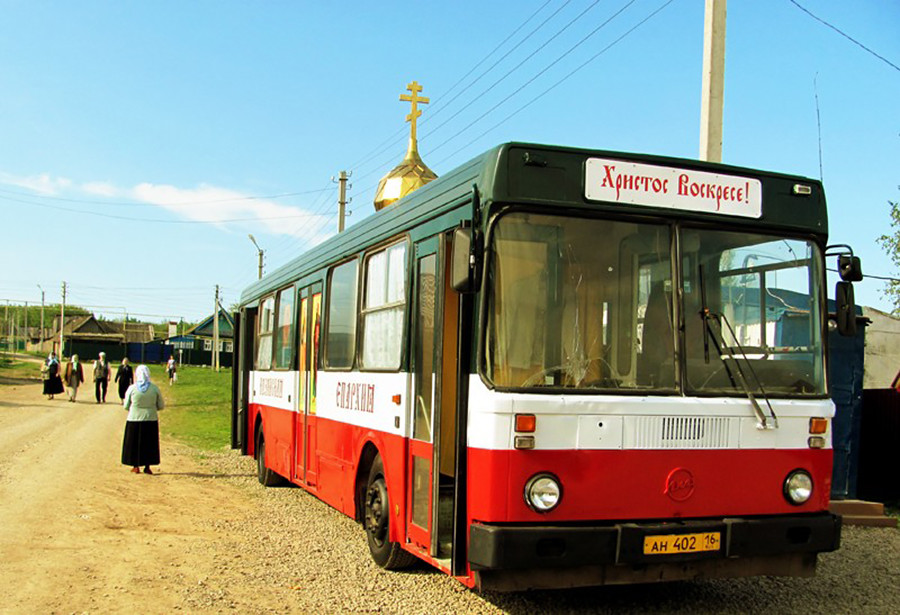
560, 82
539, 73
844, 34
519, 65
436, 107
516, 67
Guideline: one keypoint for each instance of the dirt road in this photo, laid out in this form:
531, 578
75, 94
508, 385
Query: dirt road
79, 533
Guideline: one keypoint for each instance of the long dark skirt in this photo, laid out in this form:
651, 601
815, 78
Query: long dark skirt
53, 386
141, 444
123, 387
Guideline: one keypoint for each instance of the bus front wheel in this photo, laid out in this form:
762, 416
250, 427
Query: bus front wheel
387, 554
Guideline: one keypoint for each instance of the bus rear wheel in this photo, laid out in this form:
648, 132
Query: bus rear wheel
264, 474
377, 511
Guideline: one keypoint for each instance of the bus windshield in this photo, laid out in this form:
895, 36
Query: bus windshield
764, 293
587, 303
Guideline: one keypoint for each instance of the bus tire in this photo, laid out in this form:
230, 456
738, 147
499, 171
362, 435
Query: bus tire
266, 476
376, 520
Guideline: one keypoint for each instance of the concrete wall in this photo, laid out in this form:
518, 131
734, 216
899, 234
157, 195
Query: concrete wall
882, 349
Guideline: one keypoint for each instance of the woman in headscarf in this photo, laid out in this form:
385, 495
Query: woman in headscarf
53, 384
74, 377
143, 401
125, 377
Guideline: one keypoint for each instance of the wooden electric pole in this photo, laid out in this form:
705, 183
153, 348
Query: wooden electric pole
342, 199
62, 321
216, 332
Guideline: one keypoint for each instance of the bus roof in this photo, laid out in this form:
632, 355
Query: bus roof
554, 176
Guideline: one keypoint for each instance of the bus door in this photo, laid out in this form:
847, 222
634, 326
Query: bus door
305, 469
243, 350
433, 433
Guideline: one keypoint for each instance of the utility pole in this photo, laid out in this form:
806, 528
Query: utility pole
260, 252
62, 321
342, 198
713, 94
25, 337
216, 331
42, 318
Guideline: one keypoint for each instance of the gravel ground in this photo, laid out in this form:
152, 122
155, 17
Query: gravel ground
304, 556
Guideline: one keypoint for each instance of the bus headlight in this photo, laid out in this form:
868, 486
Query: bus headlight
543, 492
798, 487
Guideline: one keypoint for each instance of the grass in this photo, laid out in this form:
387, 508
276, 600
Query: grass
16, 368
198, 406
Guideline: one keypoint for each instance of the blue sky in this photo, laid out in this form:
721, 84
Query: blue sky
143, 141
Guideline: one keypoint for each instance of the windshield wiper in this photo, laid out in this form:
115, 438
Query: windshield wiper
723, 350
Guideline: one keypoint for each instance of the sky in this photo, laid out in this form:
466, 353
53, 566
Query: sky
141, 142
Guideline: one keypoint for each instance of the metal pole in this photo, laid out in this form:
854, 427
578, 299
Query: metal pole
713, 93
260, 253
25, 337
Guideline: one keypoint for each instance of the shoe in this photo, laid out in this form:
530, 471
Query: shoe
147, 470
135, 470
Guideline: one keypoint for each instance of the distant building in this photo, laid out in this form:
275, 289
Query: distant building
195, 347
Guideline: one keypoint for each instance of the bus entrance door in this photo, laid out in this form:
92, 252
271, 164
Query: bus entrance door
307, 354
433, 434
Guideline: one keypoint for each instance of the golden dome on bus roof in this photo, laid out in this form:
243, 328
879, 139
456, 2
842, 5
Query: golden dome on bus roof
412, 173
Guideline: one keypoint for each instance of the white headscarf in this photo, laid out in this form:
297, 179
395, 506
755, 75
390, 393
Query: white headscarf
142, 376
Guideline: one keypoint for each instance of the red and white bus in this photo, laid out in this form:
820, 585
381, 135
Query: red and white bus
555, 367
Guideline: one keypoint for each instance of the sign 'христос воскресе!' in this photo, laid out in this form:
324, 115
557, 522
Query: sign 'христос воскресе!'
634, 183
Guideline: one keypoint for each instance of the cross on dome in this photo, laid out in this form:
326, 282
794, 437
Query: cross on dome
414, 98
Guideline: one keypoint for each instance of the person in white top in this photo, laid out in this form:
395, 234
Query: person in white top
170, 369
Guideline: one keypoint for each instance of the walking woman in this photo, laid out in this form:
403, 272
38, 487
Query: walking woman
53, 385
74, 377
125, 377
143, 401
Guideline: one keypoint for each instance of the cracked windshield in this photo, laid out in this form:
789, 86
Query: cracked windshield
587, 303
581, 303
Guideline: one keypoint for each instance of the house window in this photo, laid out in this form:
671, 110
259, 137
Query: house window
384, 308
284, 332
266, 327
229, 347
340, 340
207, 345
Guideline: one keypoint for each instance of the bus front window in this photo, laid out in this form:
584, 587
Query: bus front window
766, 292
579, 303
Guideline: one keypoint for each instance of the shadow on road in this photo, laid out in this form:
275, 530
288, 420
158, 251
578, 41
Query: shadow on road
203, 475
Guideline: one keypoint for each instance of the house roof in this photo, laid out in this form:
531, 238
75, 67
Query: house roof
205, 327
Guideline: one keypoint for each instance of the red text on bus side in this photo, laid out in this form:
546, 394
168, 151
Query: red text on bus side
355, 396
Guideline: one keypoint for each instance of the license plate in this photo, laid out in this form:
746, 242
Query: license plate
672, 544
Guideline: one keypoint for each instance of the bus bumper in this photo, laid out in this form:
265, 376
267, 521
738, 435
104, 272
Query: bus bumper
544, 556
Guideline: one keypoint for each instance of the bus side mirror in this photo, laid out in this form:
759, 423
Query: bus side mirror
850, 268
462, 266
845, 309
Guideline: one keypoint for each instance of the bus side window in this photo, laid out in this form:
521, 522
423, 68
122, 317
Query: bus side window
266, 327
284, 333
384, 308
340, 335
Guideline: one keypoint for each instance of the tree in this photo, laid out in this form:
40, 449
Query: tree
891, 245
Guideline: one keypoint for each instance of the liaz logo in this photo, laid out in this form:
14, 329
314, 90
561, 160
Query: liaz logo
680, 484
